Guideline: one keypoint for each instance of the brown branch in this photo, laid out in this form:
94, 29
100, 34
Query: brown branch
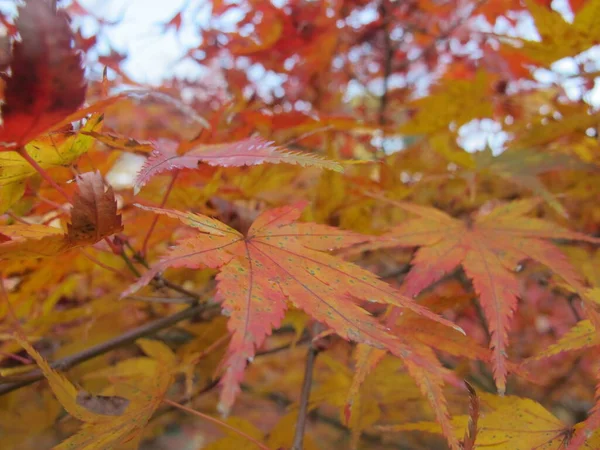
284, 402
214, 383
311, 355
104, 347
388, 56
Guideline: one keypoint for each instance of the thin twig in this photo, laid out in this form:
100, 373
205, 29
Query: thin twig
217, 422
175, 287
105, 347
45, 175
129, 264
105, 266
306, 385
170, 300
158, 280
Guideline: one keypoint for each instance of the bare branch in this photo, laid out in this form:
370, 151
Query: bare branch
306, 385
105, 347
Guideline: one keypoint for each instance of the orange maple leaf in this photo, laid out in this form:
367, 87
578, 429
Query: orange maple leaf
489, 250
280, 260
46, 82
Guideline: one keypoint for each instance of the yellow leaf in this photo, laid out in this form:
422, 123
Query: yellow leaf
159, 351
48, 151
65, 392
235, 441
560, 38
514, 423
442, 144
282, 435
31, 241
126, 430
457, 102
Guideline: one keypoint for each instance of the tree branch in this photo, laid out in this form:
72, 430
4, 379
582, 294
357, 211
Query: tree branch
104, 347
388, 56
306, 385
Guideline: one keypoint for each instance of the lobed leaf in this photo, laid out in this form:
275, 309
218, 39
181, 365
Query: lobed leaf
489, 250
275, 263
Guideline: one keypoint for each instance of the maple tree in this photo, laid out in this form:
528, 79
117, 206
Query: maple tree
306, 247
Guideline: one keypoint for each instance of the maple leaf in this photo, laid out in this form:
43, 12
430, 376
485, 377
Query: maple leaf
248, 152
424, 335
93, 217
583, 335
458, 101
46, 82
559, 37
521, 166
489, 250
276, 261
509, 422
110, 420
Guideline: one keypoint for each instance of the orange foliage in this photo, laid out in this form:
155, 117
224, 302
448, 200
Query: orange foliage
393, 232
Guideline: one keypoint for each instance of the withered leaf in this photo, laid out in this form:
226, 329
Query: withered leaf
107, 405
94, 214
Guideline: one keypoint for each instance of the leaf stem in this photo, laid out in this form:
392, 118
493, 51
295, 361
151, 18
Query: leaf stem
105, 266
157, 216
45, 175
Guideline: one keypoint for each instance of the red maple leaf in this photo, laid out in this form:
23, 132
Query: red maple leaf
277, 261
46, 82
489, 250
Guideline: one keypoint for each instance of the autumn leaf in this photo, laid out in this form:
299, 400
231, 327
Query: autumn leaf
46, 82
522, 167
114, 140
234, 440
583, 335
107, 405
458, 101
127, 416
559, 38
423, 337
64, 390
48, 152
280, 260
93, 217
489, 249
510, 422
470, 439
248, 152
94, 214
